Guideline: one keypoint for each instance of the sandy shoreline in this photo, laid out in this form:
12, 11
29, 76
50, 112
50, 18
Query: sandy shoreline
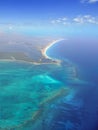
44, 51
44, 54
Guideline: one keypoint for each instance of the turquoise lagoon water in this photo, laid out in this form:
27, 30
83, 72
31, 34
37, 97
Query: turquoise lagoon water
29, 94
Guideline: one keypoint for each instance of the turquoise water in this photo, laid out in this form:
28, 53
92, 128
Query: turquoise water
28, 93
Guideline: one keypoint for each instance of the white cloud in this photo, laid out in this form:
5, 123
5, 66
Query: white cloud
78, 19
86, 19
81, 19
61, 21
53, 21
64, 19
89, 1
66, 23
93, 1
58, 21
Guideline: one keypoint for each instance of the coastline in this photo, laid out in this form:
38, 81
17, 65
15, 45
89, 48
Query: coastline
44, 51
44, 55
29, 62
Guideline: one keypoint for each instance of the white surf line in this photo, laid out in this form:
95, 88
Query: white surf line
49, 46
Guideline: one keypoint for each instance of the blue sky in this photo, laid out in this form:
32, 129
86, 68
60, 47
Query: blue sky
56, 16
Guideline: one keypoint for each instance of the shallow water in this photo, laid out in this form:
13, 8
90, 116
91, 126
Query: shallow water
29, 94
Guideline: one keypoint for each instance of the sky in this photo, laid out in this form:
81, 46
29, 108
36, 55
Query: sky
62, 17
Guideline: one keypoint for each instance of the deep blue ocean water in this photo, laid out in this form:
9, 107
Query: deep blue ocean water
83, 54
